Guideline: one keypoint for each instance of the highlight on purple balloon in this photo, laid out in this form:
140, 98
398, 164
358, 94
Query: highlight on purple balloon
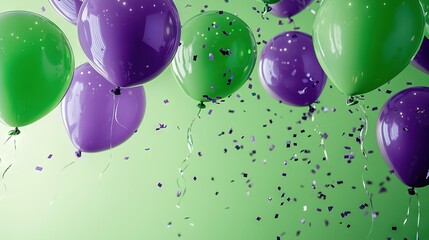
421, 60
129, 42
95, 118
289, 70
402, 135
289, 8
69, 9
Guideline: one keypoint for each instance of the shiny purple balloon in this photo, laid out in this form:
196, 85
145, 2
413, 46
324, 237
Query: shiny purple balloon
129, 42
289, 8
402, 135
421, 60
96, 119
289, 69
69, 9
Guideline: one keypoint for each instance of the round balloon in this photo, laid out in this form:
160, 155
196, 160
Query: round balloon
289, 8
129, 42
69, 9
96, 119
216, 57
421, 60
361, 44
289, 69
36, 67
402, 132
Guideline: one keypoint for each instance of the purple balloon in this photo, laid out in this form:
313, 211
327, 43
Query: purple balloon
69, 9
289, 69
421, 60
289, 8
129, 42
95, 118
402, 135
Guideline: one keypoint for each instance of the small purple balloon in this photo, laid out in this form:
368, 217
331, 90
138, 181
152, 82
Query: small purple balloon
289, 69
69, 9
96, 119
421, 60
289, 8
402, 135
129, 42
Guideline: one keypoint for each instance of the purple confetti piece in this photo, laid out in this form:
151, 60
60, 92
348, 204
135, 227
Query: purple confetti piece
39, 168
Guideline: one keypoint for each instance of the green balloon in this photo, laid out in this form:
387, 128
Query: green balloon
362, 44
216, 56
36, 67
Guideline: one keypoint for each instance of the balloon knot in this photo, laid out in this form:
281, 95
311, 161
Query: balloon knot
311, 109
267, 9
201, 105
351, 101
78, 153
411, 191
116, 91
14, 132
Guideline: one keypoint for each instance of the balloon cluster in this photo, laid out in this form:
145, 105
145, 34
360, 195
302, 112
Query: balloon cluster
358, 44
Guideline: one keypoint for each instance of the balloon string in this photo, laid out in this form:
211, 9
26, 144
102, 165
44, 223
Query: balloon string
267, 9
114, 118
364, 129
371, 203
59, 176
185, 163
418, 215
413, 192
8, 168
322, 136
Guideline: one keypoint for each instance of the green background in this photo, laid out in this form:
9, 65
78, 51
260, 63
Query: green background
126, 203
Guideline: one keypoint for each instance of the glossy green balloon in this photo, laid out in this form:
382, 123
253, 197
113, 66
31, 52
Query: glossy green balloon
216, 56
36, 67
362, 44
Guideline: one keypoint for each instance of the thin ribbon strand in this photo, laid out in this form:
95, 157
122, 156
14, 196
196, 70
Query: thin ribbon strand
59, 177
371, 203
322, 136
364, 129
10, 165
181, 180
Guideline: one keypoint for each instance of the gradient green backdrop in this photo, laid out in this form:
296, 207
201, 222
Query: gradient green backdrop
126, 203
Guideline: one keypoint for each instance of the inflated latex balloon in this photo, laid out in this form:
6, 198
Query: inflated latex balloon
36, 67
129, 42
69, 9
216, 57
289, 8
362, 44
289, 69
402, 135
96, 119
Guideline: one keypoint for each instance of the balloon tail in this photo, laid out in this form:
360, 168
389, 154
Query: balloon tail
371, 204
267, 9
181, 180
413, 192
116, 92
10, 165
116, 113
364, 130
322, 135
59, 176
418, 216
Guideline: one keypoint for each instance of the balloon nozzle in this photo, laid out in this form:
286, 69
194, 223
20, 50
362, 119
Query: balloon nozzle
116, 91
351, 101
411, 191
201, 105
14, 132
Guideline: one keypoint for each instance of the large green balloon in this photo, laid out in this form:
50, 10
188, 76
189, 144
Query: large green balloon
36, 67
216, 56
362, 44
